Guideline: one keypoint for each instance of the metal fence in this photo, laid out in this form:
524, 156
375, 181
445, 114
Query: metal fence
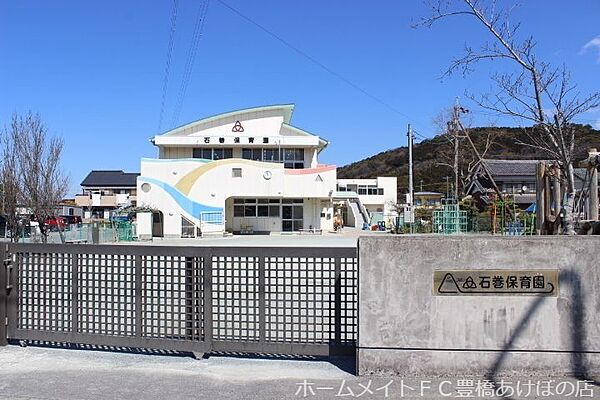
78, 233
228, 299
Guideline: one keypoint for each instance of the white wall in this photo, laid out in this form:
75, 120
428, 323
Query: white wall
373, 202
216, 184
144, 225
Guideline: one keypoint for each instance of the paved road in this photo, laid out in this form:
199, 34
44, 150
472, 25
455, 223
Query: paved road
347, 238
47, 373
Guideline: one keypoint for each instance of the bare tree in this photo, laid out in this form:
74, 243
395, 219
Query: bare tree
31, 172
467, 155
531, 91
10, 180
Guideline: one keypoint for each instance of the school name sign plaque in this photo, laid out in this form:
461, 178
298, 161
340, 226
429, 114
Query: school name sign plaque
496, 282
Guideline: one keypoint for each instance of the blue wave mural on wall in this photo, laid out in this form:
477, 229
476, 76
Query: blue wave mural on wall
188, 205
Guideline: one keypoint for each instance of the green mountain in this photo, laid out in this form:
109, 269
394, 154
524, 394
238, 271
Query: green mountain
432, 155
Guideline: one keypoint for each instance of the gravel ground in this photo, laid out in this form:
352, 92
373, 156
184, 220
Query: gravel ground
51, 373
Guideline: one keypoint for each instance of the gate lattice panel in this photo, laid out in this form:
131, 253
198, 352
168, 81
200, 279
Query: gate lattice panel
240, 299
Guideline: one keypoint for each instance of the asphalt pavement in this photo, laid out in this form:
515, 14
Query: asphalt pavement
40, 373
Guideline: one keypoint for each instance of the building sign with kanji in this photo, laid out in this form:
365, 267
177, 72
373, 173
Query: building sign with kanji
491, 282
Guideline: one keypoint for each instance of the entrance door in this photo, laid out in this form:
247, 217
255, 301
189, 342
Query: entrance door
157, 224
292, 215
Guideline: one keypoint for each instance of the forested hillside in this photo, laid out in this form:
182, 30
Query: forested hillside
430, 156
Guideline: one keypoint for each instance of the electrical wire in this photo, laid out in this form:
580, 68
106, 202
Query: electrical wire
168, 62
422, 137
191, 57
315, 61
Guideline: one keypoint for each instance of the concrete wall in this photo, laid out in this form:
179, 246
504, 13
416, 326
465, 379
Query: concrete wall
404, 329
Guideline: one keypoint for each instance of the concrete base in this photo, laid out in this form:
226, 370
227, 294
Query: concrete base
419, 363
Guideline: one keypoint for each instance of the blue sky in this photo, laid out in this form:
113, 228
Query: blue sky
94, 70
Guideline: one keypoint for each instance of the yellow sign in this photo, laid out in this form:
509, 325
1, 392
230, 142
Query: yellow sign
496, 282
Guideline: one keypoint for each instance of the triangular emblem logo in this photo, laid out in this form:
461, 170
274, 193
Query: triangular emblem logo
237, 127
318, 179
448, 284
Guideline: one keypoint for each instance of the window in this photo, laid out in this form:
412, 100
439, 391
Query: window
271, 155
257, 207
372, 190
298, 212
293, 158
292, 213
273, 211
236, 172
218, 154
263, 211
292, 201
252, 154
213, 153
249, 211
187, 228
202, 153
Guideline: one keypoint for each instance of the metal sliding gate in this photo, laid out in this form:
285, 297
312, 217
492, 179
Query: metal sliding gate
280, 300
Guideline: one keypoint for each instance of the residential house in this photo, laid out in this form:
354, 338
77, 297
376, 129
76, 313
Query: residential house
515, 178
104, 191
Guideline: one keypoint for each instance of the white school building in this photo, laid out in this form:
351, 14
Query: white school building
251, 171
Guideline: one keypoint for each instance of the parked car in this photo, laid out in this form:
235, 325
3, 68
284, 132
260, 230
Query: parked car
72, 219
55, 223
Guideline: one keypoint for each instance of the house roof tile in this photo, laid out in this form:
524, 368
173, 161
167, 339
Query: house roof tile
108, 178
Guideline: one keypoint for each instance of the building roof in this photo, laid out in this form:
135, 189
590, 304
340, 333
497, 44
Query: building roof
512, 167
285, 109
428, 194
236, 128
110, 178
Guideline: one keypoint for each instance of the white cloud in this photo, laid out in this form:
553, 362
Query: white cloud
597, 125
593, 45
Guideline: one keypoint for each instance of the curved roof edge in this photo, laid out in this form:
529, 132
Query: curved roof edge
323, 142
288, 109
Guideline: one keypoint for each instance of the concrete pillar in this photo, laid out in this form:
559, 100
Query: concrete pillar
593, 196
95, 233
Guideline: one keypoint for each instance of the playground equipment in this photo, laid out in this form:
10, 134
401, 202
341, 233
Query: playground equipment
507, 219
125, 231
450, 219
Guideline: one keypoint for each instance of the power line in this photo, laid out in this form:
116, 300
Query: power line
191, 57
315, 61
423, 137
168, 62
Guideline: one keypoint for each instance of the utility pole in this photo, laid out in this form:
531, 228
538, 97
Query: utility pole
447, 186
465, 134
409, 201
421, 184
453, 130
